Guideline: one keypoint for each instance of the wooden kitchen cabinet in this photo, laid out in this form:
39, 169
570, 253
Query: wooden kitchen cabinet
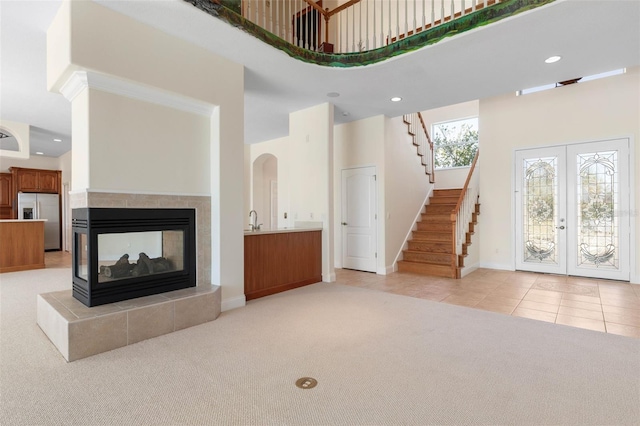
22, 245
279, 261
36, 180
6, 193
7, 196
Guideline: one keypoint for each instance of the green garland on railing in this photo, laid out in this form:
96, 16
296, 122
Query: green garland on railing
229, 11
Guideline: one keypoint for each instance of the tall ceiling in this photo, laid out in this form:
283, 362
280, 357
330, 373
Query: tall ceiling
592, 37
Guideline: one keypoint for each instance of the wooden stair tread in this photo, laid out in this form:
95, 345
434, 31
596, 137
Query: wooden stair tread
427, 269
431, 236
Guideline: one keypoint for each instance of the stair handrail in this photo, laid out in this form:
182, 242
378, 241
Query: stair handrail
431, 170
422, 140
465, 206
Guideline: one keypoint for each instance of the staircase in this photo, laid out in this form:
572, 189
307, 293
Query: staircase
432, 248
422, 141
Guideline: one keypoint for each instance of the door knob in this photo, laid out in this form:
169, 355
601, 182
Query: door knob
344, 223
560, 227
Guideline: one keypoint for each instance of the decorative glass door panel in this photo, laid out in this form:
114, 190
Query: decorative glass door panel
570, 210
598, 172
540, 210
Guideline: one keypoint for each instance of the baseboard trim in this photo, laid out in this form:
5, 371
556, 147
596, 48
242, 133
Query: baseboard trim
233, 303
329, 278
387, 270
469, 269
500, 266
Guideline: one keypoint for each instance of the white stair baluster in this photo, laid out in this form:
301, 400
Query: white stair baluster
415, 22
433, 13
360, 43
406, 18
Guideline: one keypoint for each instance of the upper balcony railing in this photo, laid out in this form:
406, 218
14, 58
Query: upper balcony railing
352, 33
350, 26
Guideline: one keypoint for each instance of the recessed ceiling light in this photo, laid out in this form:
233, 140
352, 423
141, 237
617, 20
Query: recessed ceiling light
40, 153
57, 140
396, 99
333, 94
552, 59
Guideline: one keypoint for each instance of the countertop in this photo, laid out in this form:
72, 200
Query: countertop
22, 220
279, 231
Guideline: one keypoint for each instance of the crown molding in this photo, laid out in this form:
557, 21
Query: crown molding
80, 80
76, 83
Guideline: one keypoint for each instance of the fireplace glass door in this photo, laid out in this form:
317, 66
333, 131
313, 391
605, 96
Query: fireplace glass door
123, 253
137, 254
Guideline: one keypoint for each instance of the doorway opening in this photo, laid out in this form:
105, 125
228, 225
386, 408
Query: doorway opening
265, 190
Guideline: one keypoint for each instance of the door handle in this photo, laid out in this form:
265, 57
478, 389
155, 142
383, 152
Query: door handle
560, 227
344, 223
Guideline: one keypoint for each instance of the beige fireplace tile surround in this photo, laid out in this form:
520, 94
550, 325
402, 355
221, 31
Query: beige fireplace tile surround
202, 204
78, 331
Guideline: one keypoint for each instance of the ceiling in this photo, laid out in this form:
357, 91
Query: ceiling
591, 36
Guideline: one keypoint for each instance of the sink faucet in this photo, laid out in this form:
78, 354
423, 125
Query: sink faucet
254, 226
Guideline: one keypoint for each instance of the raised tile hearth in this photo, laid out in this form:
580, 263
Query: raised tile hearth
78, 331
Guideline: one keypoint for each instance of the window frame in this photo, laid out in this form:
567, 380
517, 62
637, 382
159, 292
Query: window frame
435, 145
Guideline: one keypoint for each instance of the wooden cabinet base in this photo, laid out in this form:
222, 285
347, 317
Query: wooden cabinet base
22, 245
21, 268
282, 261
281, 288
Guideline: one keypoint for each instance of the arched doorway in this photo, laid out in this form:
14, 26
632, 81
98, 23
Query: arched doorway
265, 190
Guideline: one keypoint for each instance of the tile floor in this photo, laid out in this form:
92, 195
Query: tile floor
601, 305
57, 259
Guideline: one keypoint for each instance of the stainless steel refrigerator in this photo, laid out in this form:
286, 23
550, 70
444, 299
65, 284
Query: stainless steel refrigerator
42, 206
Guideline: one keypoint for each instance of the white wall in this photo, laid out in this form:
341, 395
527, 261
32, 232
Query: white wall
265, 170
595, 110
279, 148
359, 144
305, 178
147, 147
34, 162
157, 156
451, 112
406, 187
453, 178
269, 174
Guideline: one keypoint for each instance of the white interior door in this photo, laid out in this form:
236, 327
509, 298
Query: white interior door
359, 205
570, 205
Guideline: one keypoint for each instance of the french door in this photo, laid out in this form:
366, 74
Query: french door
571, 206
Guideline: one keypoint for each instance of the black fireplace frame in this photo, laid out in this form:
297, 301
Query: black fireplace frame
95, 221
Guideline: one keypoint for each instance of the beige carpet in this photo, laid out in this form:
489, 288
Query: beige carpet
379, 359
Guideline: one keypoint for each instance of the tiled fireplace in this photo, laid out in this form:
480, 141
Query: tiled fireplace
163, 268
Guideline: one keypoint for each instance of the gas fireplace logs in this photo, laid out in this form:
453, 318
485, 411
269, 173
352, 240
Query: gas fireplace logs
144, 266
